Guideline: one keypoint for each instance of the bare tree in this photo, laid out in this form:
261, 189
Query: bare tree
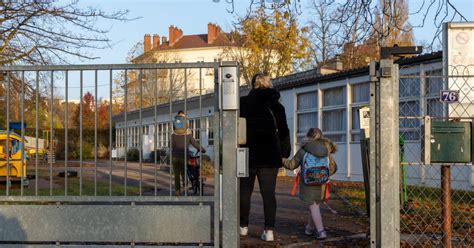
367, 12
324, 41
41, 32
151, 86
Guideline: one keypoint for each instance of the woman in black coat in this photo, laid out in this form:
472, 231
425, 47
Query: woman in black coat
268, 140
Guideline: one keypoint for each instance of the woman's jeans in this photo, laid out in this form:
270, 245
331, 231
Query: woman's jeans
267, 182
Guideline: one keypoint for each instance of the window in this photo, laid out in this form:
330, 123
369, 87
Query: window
334, 114
307, 113
409, 92
162, 134
195, 127
210, 132
434, 84
360, 97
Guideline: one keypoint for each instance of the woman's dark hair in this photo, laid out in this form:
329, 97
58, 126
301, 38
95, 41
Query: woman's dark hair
254, 78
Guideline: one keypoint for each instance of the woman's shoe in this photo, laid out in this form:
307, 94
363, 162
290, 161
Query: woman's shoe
267, 235
308, 231
321, 235
244, 231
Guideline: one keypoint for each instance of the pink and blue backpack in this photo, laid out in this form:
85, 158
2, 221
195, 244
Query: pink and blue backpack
315, 170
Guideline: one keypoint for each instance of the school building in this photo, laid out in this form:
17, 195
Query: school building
328, 101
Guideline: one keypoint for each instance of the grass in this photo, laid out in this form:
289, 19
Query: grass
423, 213
73, 186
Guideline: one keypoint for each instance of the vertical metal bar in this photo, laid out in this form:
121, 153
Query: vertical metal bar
110, 132
170, 129
185, 136
65, 133
446, 205
95, 132
126, 135
7, 143
51, 144
217, 158
230, 182
140, 132
81, 82
200, 131
37, 132
155, 131
22, 106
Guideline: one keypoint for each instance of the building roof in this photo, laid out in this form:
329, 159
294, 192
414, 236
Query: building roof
312, 76
299, 79
191, 41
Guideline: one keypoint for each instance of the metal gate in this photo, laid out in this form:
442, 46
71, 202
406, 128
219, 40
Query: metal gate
113, 180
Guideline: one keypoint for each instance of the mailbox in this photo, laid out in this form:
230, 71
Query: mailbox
451, 142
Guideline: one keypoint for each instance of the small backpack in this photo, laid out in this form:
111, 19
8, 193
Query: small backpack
315, 170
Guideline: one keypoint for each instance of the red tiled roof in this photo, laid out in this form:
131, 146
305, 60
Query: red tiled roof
192, 41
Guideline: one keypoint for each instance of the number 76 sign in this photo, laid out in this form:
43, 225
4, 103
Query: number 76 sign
449, 96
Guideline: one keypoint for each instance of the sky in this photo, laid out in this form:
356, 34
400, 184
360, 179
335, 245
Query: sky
192, 16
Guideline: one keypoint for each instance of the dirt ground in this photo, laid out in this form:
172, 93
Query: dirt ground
346, 228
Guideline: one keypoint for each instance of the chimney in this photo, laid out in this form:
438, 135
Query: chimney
175, 34
212, 32
163, 41
156, 40
147, 43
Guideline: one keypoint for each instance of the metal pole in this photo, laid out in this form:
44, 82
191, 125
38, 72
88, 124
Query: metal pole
7, 143
217, 158
384, 158
110, 131
446, 202
22, 112
230, 182
37, 132
95, 132
51, 144
66, 108
81, 82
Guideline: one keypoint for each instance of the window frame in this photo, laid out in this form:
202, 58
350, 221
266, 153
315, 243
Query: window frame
328, 108
314, 110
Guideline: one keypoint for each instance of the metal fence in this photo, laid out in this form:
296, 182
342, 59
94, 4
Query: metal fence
92, 193
437, 199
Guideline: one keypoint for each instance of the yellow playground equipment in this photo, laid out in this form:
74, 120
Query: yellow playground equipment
16, 155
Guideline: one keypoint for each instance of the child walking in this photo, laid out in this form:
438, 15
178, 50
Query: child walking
320, 147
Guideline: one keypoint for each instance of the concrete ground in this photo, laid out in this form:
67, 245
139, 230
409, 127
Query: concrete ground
345, 226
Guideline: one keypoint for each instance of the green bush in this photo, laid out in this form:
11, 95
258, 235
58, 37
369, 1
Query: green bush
133, 154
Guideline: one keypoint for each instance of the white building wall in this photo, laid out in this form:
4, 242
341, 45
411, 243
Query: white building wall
348, 156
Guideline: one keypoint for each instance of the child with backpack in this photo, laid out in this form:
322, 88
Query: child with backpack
316, 166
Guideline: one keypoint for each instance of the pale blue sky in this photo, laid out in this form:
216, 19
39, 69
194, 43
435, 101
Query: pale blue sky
192, 17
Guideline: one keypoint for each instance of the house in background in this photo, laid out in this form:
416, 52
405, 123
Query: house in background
179, 48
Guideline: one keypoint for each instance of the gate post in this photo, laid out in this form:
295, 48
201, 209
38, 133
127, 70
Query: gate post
229, 105
384, 156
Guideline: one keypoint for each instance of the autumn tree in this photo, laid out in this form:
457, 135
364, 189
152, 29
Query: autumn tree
269, 41
87, 102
